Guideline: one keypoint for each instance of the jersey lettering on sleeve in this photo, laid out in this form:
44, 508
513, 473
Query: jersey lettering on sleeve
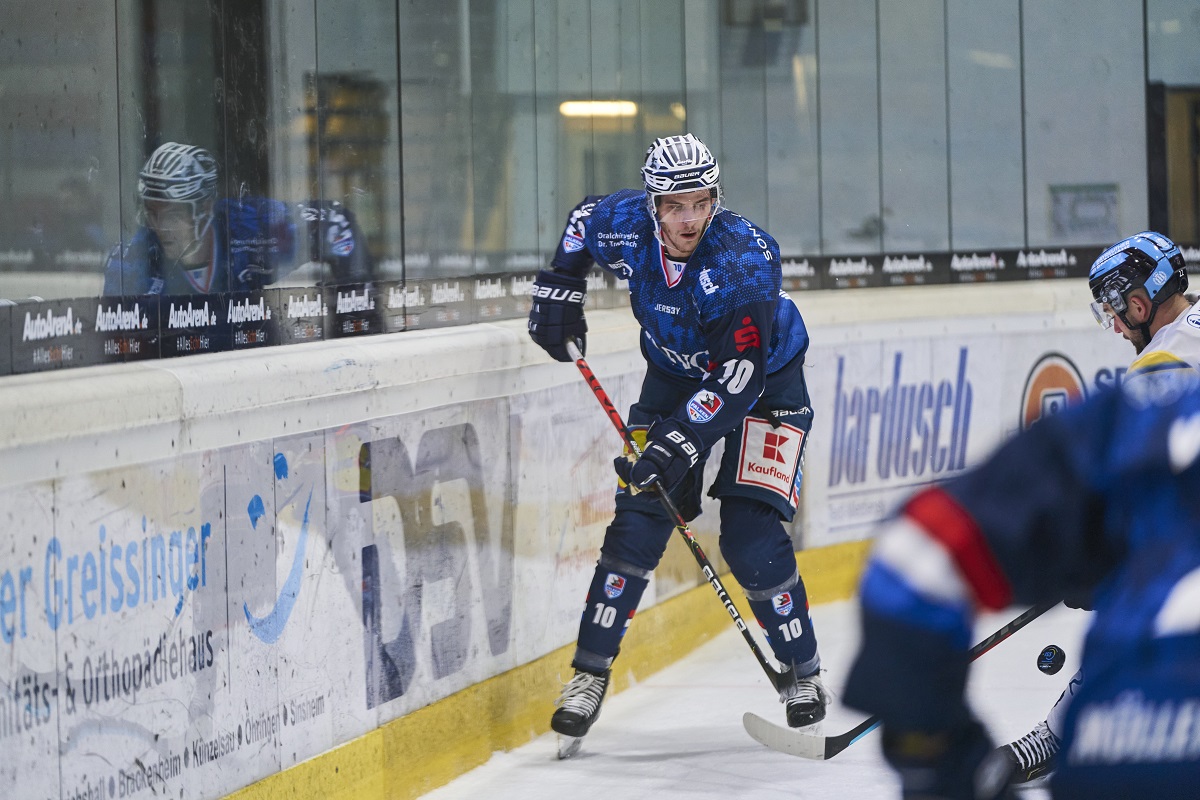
572, 254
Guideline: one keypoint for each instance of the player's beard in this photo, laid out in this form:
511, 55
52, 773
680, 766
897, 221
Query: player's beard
679, 247
1134, 337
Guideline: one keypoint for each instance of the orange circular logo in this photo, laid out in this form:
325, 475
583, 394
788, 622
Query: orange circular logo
1053, 384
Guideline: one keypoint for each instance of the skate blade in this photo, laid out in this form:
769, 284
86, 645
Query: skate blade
568, 745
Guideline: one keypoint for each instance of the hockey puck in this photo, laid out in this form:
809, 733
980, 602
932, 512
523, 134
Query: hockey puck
1051, 659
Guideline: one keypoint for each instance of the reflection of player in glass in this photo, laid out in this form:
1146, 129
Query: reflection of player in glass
178, 187
1138, 288
192, 242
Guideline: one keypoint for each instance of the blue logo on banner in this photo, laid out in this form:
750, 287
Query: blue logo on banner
917, 427
270, 627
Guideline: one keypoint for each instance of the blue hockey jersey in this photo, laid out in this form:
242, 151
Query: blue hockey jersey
1106, 496
257, 241
721, 319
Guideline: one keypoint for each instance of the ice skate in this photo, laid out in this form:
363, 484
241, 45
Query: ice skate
1033, 755
805, 701
578, 708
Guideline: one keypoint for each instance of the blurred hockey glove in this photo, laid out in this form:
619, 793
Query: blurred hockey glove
960, 764
557, 313
671, 450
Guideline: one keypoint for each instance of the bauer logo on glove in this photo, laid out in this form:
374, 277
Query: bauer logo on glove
556, 316
671, 450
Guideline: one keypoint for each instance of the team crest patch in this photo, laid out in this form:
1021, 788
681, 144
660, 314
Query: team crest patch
613, 586
782, 603
572, 243
703, 406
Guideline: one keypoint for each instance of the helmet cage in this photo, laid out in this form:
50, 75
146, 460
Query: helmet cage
180, 173
677, 164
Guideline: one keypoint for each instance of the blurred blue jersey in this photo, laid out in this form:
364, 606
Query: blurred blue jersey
1103, 497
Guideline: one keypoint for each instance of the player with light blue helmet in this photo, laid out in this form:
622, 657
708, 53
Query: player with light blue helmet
1138, 289
1132, 280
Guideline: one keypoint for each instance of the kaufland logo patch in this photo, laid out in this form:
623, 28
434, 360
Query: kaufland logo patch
770, 456
613, 586
703, 406
572, 243
782, 603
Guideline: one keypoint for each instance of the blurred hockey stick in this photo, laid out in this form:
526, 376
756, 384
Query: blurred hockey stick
815, 746
779, 678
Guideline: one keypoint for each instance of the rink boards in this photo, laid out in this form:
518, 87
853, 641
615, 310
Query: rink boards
368, 559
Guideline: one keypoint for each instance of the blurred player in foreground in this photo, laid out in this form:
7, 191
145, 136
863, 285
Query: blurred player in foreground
1103, 498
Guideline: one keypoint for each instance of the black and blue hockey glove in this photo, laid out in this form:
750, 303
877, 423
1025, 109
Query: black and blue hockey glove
557, 313
671, 450
960, 764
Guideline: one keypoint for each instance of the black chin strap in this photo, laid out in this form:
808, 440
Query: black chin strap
1144, 328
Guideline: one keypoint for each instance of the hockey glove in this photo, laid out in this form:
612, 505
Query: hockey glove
954, 765
557, 313
671, 450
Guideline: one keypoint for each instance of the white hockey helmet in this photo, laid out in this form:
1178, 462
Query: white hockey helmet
681, 164
181, 173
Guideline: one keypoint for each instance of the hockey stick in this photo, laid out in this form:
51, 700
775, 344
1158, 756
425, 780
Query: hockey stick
779, 679
808, 745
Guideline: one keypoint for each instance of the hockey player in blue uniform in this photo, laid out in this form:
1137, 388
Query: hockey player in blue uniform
1138, 287
191, 242
725, 349
1101, 498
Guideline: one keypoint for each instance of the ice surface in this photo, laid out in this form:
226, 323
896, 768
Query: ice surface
679, 733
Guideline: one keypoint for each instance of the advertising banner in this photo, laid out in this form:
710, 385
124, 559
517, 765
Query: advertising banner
32, 693
53, 334
185, 627
301, 313
196, 324
127, 328
355, 310
893, 415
